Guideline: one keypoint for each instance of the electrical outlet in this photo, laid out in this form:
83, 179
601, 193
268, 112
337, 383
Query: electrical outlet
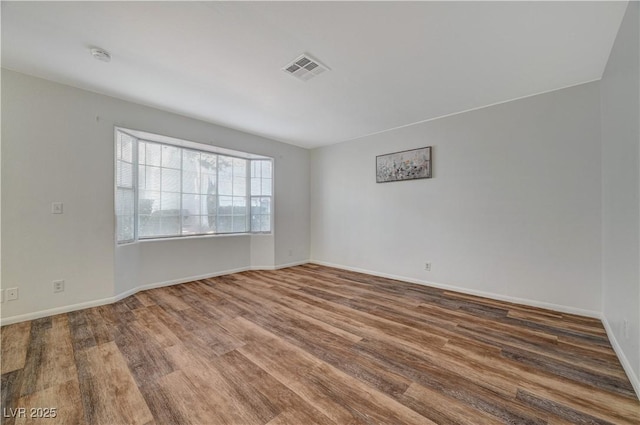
290, 252
1, 295
58, 285
427, 266
12, 294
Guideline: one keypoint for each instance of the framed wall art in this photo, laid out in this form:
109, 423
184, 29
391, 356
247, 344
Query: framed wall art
404, 165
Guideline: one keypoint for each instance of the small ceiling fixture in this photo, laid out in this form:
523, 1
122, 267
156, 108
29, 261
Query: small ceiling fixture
304, 67
100, 54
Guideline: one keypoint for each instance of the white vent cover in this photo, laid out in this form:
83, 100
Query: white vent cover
305, 67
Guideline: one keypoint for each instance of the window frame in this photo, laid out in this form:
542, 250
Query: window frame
183, 145
134, 180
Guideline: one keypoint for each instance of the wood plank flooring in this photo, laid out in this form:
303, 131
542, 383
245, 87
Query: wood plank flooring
313, 345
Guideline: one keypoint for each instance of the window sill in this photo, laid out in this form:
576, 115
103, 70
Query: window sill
182, 238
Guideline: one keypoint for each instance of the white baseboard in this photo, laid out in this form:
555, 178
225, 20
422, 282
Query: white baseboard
280, 266
54, 311
95, 303
633, 378
550, 306
626, 365
125, 294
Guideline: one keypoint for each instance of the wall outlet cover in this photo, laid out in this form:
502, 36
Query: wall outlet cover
12, 294
58, 285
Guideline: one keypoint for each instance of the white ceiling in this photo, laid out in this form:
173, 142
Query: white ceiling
392, 63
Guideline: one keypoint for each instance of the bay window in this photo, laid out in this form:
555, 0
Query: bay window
172, 188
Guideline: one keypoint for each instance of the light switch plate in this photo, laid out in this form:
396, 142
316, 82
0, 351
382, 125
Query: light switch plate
56, 208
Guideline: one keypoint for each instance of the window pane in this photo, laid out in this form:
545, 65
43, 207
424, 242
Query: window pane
190, 160
255, 187
148, 201
152, 175
265, 204
170, 203
225, 185
153, 154
266, 223
171, 157
266, 169
239, 205
208, 186
125, 175
148, 225
124, 227
119, 165
191, 204
169, 225
261, 182
190, 182
261, 205
208, 224
142, 147
124, 201
170, 180
208, 204
239, 186
124, 214
127, 148
261, 214
256, 168
125, 195
208, 162
266, 187
141, 177
239, 167
225, 205
224, 224
225, 163
159, 224
225, 176
191, 225
239, 224
255, 223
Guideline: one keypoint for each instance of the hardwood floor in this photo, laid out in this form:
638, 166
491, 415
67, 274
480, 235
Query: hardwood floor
313, 345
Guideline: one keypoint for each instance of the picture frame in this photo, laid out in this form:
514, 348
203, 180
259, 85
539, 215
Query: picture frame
404, 165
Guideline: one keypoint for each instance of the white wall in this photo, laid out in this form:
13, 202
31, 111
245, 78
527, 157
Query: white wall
262, 255
54, 149
51, 151
513, 208
181, 260
620, 93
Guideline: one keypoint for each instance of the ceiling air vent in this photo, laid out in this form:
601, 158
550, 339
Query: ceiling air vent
304, 68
